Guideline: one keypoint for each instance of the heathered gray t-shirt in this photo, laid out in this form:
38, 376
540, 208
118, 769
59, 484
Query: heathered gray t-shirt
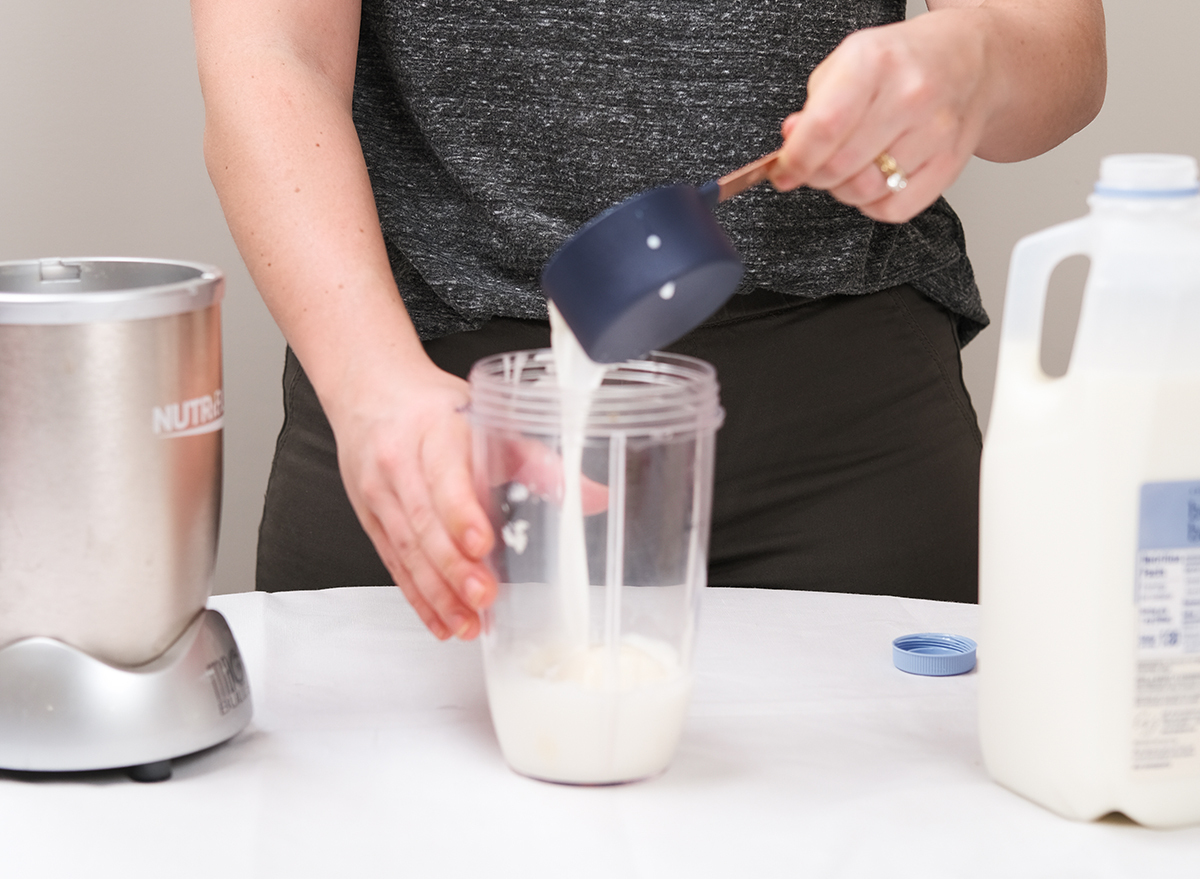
493, 129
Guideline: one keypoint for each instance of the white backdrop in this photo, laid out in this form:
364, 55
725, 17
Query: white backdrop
100, 155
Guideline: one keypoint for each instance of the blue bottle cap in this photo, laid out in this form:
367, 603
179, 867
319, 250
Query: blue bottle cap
932, 653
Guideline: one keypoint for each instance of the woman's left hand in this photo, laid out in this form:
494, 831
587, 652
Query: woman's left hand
1004, 80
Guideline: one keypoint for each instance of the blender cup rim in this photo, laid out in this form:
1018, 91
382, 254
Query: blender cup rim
661, 393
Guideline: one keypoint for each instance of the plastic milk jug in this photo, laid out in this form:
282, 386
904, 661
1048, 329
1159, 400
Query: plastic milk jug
1090, 514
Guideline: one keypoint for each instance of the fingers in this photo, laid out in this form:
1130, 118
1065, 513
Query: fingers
539, 469
414, 549
453, 528
925, 184
429, 616
594, 496
532, 464
840, 95
409, 480
444, 457
891, 90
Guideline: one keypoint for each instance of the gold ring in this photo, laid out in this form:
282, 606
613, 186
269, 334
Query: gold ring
892, 172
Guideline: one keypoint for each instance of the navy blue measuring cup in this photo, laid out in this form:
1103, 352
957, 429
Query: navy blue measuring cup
643, 273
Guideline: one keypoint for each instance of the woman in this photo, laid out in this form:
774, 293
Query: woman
395, 175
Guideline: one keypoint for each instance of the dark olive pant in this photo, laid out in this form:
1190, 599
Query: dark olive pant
848, 462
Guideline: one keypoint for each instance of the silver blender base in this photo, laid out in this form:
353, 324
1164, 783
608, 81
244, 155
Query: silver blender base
62, 710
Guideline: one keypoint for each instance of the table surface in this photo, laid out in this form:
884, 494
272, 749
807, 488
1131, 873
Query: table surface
371, 753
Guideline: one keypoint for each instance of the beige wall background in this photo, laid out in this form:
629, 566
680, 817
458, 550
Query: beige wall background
100, 155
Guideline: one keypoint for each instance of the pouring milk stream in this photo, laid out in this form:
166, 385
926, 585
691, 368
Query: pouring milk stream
605, 703
577, 709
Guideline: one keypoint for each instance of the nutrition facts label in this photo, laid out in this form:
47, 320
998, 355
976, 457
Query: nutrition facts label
1166, 719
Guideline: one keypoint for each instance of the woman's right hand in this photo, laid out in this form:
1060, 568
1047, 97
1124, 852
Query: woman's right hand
404, 450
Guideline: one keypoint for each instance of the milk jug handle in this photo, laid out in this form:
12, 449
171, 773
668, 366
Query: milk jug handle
1033, 261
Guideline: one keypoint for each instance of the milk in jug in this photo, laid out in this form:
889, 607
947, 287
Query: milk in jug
1090, 514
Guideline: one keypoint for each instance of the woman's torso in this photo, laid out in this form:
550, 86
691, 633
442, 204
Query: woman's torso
492, 130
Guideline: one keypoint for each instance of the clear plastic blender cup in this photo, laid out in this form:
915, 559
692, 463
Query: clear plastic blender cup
588, 647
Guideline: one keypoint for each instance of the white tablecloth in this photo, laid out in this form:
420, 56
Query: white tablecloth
371, 754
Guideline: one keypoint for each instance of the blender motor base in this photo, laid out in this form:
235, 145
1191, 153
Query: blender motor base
62, 710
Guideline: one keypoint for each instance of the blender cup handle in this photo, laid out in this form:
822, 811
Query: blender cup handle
1033, 260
